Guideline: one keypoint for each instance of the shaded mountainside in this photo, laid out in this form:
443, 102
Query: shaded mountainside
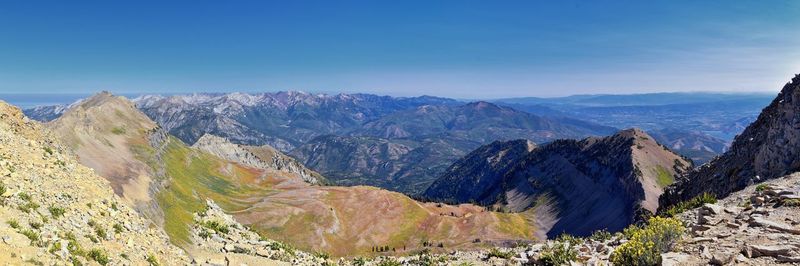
275, 202
586, 185
768, 148
55, 210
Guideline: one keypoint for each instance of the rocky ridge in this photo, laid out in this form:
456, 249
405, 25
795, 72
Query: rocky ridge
574, 186
263, 157
768, 148
55, 210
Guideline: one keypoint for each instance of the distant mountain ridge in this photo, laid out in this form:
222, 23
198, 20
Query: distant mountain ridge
574, 186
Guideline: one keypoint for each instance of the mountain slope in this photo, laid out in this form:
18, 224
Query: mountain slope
768, 148
279, 205
56, 211
591, 184
263, 157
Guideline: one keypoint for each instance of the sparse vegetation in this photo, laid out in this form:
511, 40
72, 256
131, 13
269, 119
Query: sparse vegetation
791, 203
761, 187
30, 234
56, 211
496, 253
646, 243
600, 235
35, 225
13, 223
560, 253
216, 226
118, 130
55, 247
98, 255
690, 204
118, 228
48, 150
572, 240
152, 260
389, 262
73, 246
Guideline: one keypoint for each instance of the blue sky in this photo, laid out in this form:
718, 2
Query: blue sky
464, 49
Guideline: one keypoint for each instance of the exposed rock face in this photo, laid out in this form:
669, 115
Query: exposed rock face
768, 148
54, 210
263, 157
587, 185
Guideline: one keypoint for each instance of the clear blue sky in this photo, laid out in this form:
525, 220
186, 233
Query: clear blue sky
466, 49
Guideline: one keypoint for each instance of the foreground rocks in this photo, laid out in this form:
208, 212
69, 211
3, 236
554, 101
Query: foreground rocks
755, 226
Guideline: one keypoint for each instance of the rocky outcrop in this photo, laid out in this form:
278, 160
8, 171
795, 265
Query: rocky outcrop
55, 210
768, 148
263, 157
755, 226
586, 185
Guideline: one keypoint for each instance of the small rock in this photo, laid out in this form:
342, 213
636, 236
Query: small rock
709, 208
721, 258
674, 259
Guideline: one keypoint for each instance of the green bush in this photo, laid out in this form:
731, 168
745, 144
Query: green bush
30, 234
494, 252
216, 226
560, 253
13, 223
118, 131
690, 204
389, 262
152, 260
567, 238
791, 203
761, 187
646, 244
35, 225
56, 211
118, 228
600, 235
98, 255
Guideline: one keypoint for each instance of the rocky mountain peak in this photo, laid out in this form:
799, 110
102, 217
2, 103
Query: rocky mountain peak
768, 148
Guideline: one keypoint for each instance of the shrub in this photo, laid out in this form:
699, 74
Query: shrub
56, 211
48, 150
494, 252
761, 187
118, 228
27, 207
35, 225
791, 203
572, 240
118, 130
322, 255
72, 245
24, 196
216, 226
646, 244
101, 233
359, 261
13, 223
600, 235
389, 262
152, 260
560, 253
98, 255
55, 247
30, 234
690, 204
